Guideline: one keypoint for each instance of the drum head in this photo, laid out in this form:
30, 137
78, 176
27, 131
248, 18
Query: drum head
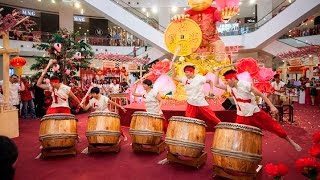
235, 126
188, 120
58, 116
142, 113
186, 34
104, 113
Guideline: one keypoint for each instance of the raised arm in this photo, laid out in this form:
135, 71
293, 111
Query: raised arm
85, 108
216, 81
40, 80
135, 89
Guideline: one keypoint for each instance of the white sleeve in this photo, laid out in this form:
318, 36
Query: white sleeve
106, 99
182, 79
67, 90
91, 101
202, 79
246, 86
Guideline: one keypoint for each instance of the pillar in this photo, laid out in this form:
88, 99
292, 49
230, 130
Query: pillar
66, 17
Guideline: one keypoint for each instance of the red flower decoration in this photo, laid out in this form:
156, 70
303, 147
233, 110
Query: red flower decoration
315, 151
282, 169
316, 137
276, 171
264, 87
308, 167
248, 64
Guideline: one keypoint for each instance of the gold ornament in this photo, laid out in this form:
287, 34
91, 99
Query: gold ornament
186, 34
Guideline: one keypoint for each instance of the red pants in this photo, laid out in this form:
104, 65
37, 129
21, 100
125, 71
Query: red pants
194, 111
54, 110
264, 121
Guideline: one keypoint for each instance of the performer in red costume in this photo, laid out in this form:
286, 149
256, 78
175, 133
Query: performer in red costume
247, 110
60, 93
206, 17
196, 102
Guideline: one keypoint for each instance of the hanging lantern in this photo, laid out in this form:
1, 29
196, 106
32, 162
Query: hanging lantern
123, 70
99, 72
18, 62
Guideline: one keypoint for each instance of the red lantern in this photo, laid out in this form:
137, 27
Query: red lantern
126, 74
279, 71
18, 62
123, 69
100, 72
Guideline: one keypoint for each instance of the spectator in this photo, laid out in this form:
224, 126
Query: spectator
27, 100
114, 87
8, 157
278, 87
124, 85
39, 100
14, 88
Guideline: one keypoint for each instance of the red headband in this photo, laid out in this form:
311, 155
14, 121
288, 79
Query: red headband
190, 69
230, 76
55, 81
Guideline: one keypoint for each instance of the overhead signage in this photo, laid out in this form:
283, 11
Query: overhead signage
80, 19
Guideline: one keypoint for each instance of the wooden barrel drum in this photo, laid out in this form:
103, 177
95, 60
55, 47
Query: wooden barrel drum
58, 131
146, 128
237, 148
186, 136
103, 128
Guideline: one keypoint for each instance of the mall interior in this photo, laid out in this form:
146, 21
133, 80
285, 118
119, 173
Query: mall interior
131, 89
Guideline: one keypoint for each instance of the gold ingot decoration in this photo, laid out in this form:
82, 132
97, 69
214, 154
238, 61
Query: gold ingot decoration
186, 34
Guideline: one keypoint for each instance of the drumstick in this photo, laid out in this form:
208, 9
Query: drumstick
175, 55
82, 101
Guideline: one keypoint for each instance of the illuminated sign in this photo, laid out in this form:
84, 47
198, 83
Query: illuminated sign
28, 12
79, 19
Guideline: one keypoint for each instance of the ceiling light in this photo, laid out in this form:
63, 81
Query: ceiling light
252, 1
53, 1
39, 0
253, 13
147, 14
185, 9
289, 1
174, 9
77, 5
154, 10
144, 9
82, 11
240, 3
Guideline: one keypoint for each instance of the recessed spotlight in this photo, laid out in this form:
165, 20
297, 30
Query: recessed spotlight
174, 9
53, 1
144, 9
82, 11
252, 1
240, 3
185, 9
154, 10
39, 0
77, 5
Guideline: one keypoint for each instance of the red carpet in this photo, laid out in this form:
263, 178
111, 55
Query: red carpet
128, 165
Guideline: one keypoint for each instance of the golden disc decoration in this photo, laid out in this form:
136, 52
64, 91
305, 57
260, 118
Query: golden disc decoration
186, 34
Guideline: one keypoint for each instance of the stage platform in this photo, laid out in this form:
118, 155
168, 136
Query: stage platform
170, 110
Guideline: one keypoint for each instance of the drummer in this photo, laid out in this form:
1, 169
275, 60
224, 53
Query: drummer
196, 102
152, 99
60, 93
248, 112
100, 102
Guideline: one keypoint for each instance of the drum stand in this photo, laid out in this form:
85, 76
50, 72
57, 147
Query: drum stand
195, 162
159, 148
218, 171
58, 152
101, 148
